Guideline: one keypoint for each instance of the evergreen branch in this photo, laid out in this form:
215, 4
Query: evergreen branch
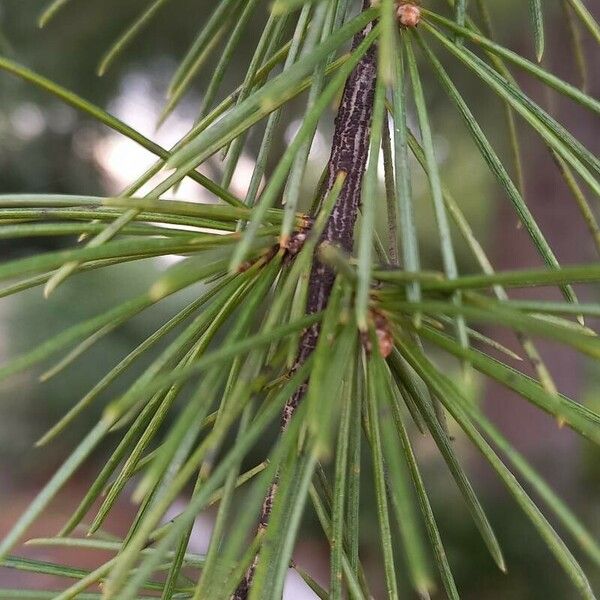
349, 152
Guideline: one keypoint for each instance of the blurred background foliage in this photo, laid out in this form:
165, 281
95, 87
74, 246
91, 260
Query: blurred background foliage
48, 147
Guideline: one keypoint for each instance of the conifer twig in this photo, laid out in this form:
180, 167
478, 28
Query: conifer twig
349, 152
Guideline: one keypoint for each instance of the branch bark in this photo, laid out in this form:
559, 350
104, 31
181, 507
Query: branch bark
349, 153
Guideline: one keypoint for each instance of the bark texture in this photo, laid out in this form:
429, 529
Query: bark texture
349, 153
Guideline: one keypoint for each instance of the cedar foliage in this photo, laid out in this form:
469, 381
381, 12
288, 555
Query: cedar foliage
374, 381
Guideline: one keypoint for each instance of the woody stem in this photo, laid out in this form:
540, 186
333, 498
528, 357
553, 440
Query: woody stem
349, 153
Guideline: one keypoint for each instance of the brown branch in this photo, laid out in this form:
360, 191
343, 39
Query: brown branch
349, 152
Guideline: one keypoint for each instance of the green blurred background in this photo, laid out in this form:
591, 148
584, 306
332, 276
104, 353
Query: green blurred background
48, 147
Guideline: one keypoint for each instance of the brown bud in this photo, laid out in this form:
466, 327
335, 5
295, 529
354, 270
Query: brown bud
384, 334
409, 15
386, 342
383, 331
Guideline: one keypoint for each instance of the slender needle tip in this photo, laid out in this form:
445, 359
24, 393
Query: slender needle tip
48, 289
140, 493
